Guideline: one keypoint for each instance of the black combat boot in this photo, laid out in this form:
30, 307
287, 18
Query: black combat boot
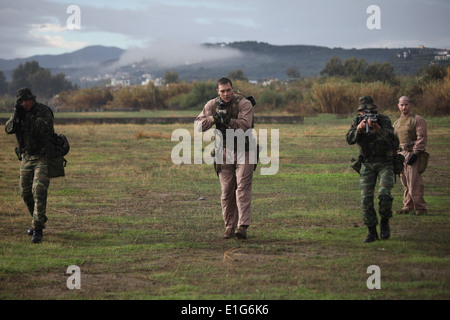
385, 231
37, 236
372, 236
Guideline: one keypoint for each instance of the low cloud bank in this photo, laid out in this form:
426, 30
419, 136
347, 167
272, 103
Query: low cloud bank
176, 53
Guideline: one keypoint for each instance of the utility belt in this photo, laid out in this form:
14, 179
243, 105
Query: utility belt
408, 146
26, 155
218, 167
235, 144
375, 159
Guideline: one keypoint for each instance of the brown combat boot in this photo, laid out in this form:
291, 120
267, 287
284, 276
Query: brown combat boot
241, 232
403, 211
229, 233
421, 212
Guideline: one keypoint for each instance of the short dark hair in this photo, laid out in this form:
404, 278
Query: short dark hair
223, 81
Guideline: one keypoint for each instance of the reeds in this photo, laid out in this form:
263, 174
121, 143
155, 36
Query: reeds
308, 96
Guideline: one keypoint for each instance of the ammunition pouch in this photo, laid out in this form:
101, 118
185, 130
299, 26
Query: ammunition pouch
18, 154
356, 164
56, 166
399, 163
423, 161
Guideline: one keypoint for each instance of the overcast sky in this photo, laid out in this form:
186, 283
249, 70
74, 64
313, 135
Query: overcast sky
30, 27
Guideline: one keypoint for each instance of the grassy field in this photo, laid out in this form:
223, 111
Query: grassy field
134, 223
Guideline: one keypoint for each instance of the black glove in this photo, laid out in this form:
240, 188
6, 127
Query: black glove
226, 119
412, 159
221, 118
217, 118
19, 112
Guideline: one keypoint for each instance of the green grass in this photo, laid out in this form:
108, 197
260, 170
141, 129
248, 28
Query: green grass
133, 222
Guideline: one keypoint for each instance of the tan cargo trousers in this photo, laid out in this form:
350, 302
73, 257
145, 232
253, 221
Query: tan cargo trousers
413, 183
236, 183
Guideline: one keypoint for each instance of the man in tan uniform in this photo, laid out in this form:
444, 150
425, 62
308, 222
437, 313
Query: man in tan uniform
411, 130
232, 111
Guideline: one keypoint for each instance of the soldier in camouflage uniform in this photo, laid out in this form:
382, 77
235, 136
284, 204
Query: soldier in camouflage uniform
377, 148
32, 123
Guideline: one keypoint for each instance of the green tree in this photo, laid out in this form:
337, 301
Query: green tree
358, 70
433, 72
293, 74
58, 83
271, 98
383, 72
171, 77
20, 75
199, 95
334, 68
3, 84
237, 74
355, 69
38, 79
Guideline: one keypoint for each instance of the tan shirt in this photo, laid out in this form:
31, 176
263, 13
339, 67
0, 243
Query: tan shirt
421, 137
244, 120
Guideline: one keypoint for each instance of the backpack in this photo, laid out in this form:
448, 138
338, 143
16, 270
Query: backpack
55, 159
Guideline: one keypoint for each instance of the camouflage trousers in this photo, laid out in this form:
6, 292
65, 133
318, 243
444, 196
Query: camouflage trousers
34, 183
370, 172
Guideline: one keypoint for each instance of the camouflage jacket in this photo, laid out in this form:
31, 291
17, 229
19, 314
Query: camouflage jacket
34, 131
374, 147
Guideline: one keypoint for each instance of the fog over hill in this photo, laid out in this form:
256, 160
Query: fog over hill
209, 61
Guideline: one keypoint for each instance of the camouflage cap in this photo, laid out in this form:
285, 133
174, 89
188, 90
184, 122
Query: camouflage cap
366, 102
25, 94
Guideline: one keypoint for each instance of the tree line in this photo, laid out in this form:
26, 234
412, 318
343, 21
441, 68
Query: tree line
40, 80
336, 90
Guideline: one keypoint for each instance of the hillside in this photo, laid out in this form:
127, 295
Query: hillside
263, 60
92, 65
88, 56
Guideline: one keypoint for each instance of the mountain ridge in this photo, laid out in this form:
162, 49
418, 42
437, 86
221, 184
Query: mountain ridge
259, 60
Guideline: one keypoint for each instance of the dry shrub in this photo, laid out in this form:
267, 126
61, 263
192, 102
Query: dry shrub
334, 96
140, 97
339, 96
435, 99
384, 95
88, 98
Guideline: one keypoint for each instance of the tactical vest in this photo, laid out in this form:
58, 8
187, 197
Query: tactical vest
405, 128
27, 142
374, 148
231, 108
